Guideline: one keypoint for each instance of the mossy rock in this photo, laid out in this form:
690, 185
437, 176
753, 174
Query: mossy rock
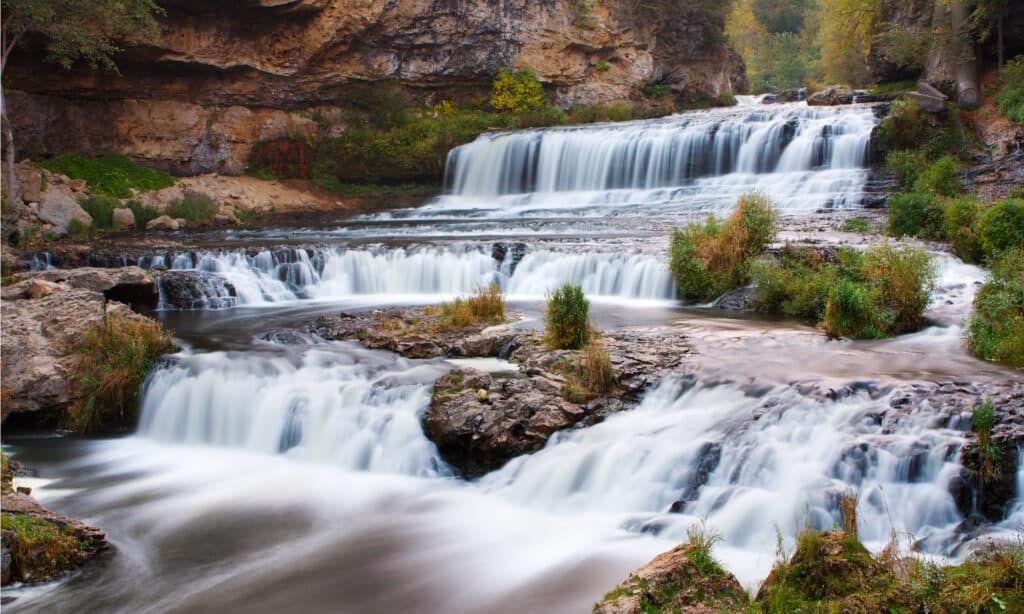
833, 571
672, 583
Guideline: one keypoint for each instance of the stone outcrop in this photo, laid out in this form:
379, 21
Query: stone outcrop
224, 76
479, 421
37, 543
195, 290
45, 317
123, 219
671, 582
45, 203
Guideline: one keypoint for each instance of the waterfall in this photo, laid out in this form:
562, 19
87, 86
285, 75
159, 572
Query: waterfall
334, 404
290, 274
804, 157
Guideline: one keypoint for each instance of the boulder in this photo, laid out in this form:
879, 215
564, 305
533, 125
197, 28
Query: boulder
831, 95
59, 209
672, 582
225, 219
164, 222
30, 182
124, 219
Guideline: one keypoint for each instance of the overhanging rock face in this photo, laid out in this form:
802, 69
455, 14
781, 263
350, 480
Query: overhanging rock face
225, 75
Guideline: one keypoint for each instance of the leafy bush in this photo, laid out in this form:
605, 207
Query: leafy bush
996, 329
112, 175
916, 215
877, 293
907, 165
1011, 97
962, 221
195, 207
112, 364
712, 258
905, 127
517, 92
983, 419
567, 319
939, 179
142, 213
1002, 226
101, 208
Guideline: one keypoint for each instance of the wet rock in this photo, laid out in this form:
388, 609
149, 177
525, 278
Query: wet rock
42, 330
831, 95
284, 337
480, 433
164, 222
196, 290
671, 582
511, 253
740, 299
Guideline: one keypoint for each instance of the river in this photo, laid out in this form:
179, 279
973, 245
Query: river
269, 476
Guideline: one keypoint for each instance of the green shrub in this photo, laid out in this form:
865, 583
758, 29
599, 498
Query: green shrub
142, 213
1002, 226
112, 364
907, 165
1011, 97
854, 310
195, 207
796, 283
962, 221
905, 127
904, 278
79, 230
996, 329
856, 224
916, 215
101, 208
878, 293
603, 66
112, 175
540, 117
939, 179
712, 258
567, 318
517, 92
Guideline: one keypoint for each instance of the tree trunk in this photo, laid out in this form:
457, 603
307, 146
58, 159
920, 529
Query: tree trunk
11, 179
966, 58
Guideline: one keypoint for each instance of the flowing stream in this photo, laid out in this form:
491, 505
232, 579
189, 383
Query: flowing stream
269, 475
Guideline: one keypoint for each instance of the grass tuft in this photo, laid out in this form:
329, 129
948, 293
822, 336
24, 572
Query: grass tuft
111, 175
486, 305
195, 207
113, 362
567, 318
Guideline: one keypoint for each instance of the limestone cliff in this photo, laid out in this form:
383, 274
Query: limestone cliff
229, 72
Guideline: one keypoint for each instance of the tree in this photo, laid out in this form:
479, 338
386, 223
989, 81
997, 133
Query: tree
986, 14
72, 31
778, 16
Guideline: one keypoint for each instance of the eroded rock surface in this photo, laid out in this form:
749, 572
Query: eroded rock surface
45, 317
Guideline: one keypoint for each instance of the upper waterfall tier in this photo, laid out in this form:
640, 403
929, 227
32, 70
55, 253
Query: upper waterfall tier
778, 149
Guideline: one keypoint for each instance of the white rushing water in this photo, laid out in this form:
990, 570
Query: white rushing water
285, 274
748, 464
805, 158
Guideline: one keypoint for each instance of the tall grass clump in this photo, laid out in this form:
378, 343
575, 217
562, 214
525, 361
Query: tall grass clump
101, 208
195, 207
485, 306
113, 361
111, 175
567, 318
983, 420
996, 328
916, 215
591, 375
1002, 226
701, 539
712, 258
